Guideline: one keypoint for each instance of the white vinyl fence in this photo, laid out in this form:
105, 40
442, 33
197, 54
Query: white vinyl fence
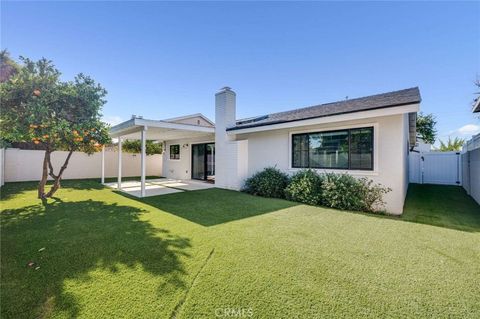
26, 165
2, 166
471, 167
442, 168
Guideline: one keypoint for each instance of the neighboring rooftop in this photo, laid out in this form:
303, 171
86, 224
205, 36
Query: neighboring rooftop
193, 119
372, 102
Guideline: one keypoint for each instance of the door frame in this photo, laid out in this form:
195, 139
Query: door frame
205, 160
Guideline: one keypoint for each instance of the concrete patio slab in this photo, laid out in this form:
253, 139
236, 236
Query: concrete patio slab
160, 186
189, 185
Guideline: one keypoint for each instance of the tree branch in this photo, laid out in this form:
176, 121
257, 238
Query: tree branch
56, 184
65, 164
50, 166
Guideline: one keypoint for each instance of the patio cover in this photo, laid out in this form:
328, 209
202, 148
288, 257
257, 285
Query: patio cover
142, 129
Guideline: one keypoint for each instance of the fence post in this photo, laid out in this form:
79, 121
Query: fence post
458, 169
2, 167
422, 161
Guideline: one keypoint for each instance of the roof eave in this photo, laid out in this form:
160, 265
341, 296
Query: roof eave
122, 127
339, 117
136, 124
190, 116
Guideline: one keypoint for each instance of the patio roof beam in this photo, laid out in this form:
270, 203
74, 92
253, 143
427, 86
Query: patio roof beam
119, 180
136, 125
177, 126
124, 131
144, 161
103, 164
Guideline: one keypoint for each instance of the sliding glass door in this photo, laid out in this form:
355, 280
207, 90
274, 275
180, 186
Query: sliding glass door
210, 150
198, 161
203, 161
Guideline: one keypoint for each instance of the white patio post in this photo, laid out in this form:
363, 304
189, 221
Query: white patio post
103, 164
119, 182
144, 163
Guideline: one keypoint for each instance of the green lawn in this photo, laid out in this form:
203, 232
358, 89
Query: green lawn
204, 253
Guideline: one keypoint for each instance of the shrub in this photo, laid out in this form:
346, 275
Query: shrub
135, 146
346, 192
270, 182
341, 191
372, 195
305, 187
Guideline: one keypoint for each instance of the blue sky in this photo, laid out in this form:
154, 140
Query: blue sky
163, 60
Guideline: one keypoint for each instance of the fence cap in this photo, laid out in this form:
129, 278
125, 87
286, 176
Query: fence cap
472, 144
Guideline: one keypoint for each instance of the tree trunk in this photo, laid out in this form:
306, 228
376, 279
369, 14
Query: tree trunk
48, 170
56, 183
43, 181
55, 187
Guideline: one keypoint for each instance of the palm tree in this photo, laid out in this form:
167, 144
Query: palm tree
451, 145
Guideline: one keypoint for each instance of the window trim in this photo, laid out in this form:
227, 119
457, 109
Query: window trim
170, 152
373, 170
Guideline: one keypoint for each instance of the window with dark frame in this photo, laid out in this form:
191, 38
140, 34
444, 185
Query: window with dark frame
175, 151
341, 149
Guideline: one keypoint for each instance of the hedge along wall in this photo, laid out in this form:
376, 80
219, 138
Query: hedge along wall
26, 165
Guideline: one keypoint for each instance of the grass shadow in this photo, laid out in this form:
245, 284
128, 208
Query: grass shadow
78, 237
442, 206
12, 189
213, 206
436, 205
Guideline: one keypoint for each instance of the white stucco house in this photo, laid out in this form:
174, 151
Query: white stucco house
366, 137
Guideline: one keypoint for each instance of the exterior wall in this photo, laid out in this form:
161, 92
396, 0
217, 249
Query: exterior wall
235, 164
181, 168
242, 163
405, 154
26, 165
273, 148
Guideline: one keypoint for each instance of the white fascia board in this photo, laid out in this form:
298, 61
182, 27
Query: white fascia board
182, 117
173, 126
136, 125
331, 119
123, 125
124, 128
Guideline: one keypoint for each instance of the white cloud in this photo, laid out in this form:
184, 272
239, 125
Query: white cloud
469, 129
112, 120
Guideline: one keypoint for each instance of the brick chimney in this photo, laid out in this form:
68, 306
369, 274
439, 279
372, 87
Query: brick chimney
225, 149
225, 108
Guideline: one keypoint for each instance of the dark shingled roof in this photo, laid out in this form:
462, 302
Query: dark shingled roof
372, 102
